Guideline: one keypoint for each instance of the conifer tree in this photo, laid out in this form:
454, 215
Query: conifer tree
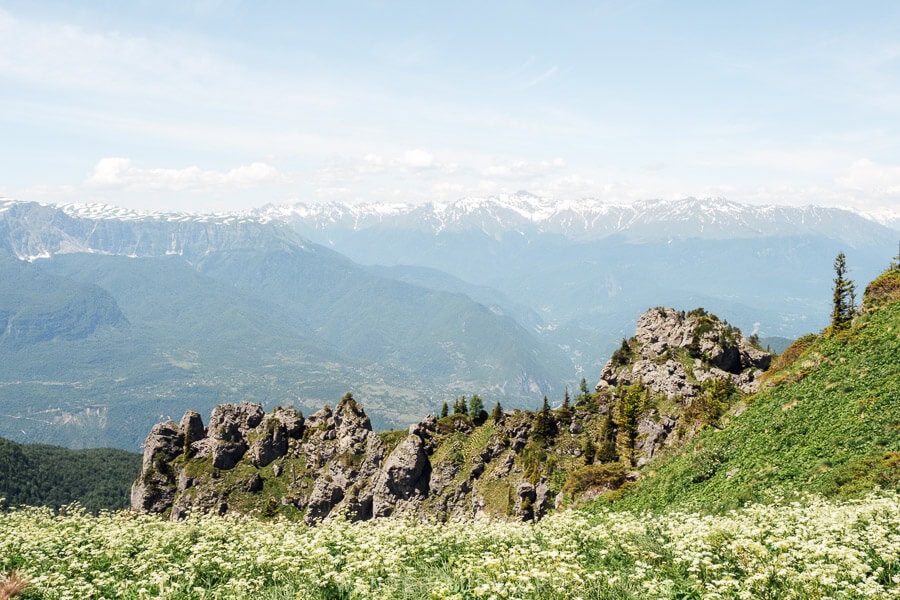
584, 394
607, 451
565, 411
629, 407
588, 450
497, 413
543, 421
476, 408
444, 410
844, 299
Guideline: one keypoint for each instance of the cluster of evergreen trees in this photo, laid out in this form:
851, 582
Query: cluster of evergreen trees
473, 408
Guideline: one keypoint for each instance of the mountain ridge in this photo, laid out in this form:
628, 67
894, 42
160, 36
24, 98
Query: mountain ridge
586, 218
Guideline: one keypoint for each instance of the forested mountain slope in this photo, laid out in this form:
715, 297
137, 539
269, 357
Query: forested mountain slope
39, 475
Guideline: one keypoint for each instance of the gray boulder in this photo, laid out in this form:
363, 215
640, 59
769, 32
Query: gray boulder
404, 477
270, 443
228, 429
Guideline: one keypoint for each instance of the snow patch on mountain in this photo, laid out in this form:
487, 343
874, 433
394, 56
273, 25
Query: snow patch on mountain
101, 212
889, 217
584, 219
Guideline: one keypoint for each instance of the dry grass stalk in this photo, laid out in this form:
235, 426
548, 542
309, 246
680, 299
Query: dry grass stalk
12, 586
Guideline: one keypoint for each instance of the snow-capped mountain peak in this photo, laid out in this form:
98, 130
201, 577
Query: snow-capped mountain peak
587, 218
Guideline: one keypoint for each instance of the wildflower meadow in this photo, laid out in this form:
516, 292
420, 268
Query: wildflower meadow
814, 549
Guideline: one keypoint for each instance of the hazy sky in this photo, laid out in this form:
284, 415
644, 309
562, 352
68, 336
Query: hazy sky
211, 105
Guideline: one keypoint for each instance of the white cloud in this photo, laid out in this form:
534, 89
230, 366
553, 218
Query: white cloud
371, 163
446, 188
871, 178
418, 159
121, 174
523, 168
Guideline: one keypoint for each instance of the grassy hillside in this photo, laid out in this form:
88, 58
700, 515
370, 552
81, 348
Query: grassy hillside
52, 476
827, 421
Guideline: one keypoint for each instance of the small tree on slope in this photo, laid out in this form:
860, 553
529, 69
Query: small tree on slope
844, 299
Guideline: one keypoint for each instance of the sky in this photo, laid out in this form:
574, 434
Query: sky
212, 105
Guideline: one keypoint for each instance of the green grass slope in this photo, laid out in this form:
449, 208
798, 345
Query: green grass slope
827, 421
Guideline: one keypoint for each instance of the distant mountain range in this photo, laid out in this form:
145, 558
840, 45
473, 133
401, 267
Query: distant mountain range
588, 268
587, 219
109, 324
111, 319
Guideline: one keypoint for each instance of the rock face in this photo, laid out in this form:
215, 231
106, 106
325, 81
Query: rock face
673, 354
153, 491
404, 477
332, 463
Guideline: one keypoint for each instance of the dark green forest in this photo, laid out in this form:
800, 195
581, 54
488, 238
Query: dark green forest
53, 476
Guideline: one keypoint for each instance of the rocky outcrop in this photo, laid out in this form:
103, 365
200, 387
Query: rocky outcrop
154, 489
332, 463
673, 352
403, 479
678, 355
665, 384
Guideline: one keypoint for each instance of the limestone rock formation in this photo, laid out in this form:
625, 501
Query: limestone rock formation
674, 352
404, 477
677, 355
679, 373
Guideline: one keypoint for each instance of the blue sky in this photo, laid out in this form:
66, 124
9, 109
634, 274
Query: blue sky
213, 105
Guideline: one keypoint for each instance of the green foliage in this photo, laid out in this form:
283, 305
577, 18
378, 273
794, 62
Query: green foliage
883, 290
534, 461
476, 408
789, 355
444, 410
716, 396
607, 451
588, 450
621, 356
460, 407
497, 413
51, 476
544, 424
391, 439
608, 475
564, 414
631, 400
